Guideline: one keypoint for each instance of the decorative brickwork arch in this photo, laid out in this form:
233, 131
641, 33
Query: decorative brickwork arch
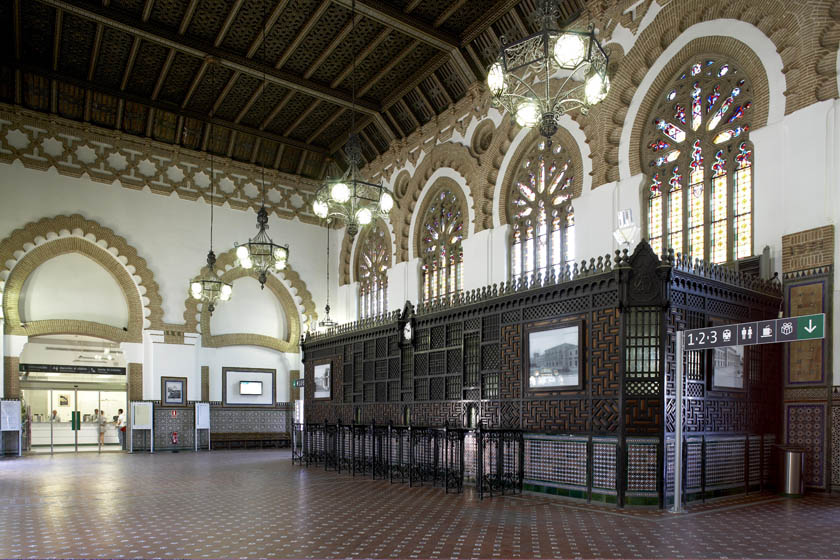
32, 259
47, 230
195, 317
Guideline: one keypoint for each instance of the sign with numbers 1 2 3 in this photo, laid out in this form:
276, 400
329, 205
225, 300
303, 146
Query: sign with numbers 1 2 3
788, 329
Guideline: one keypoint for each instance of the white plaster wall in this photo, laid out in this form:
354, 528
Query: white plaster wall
171, 234
248, 357
73, 286
250, 310
404, 284
171, 360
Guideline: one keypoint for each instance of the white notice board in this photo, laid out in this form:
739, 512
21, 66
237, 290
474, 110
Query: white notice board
141, 415
202, 416
10, 416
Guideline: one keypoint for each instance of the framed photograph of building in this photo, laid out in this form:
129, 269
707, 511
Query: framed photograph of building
322, 380
727, 368
173, 391
553, 356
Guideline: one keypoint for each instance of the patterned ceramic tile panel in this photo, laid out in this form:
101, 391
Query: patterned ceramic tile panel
669, 467
693, 463
769, 470
755, 459
641, 466
603, 462
230, 419
835, 445
557, 461
805, 427
724, 463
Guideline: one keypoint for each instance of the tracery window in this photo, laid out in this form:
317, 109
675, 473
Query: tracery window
441, 234
540, 212
697, 151
373, 258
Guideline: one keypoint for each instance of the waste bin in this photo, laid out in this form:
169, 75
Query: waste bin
791, 467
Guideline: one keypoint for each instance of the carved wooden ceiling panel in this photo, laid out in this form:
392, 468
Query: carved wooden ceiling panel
144, 67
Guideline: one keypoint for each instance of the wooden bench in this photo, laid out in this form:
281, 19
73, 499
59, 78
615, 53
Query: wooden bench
245, 440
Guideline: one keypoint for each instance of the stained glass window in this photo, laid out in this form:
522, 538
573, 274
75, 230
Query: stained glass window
698, 155
442, 231
373, 258
540, 212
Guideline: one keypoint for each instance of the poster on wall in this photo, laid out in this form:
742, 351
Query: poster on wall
553, 358
322, 381
728, 367
63, 400
173, 391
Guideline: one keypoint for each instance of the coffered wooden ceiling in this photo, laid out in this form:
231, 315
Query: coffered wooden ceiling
141, 66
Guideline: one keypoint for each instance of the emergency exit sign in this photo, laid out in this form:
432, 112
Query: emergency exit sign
788, 329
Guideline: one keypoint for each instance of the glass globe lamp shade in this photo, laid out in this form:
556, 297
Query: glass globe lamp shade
281, 254
496, 79
280, 265
320, 208
340, 192
527, 114
195, 288
386, 202
242, 252
364, 216
569, 50
246, 263
596, 88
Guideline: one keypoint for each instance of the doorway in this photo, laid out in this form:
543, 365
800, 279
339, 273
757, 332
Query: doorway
61, 418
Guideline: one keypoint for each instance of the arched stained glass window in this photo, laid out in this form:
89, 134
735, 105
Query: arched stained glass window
698, 155
441, 233
540, 212
373, 258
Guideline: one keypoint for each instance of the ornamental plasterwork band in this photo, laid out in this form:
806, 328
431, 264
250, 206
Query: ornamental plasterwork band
194, 316
125, 265
73, 149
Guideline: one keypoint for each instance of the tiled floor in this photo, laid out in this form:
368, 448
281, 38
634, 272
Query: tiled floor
254, 504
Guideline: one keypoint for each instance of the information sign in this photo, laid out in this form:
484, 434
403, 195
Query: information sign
788, 329
297, 383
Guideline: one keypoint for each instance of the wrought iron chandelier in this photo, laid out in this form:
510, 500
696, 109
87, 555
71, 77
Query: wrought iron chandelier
546, 74
261, 253
207, 287
350, 197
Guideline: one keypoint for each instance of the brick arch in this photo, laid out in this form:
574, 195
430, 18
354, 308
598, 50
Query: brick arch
26, 265
194, 315
439, 185
732, 49
44, 231
453, 156
565, 139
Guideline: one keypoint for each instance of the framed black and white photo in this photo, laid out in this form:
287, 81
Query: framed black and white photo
553, 356
322, 380
727, 367
173, 391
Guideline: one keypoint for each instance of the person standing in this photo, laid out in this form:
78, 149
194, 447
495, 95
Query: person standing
102, 423
121, 428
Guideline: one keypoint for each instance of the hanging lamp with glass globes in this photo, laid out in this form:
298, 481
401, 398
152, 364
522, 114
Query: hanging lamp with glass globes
539, 78
350, 198
208, 287
261, 254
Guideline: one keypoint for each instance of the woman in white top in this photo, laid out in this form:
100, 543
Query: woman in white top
101, 421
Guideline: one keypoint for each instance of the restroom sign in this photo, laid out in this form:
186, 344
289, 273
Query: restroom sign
788, 329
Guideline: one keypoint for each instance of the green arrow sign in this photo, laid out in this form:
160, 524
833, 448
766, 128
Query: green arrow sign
810, 326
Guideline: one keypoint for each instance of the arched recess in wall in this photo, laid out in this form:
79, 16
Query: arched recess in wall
349, 246
37, 242
198, 320
450, 159
372, 257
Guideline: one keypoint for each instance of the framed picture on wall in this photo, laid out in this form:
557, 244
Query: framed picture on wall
63, 400
322, 380
553, 356
727, 368
249, 387
173, 391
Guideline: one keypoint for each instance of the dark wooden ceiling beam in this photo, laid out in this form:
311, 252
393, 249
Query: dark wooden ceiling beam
129, 65
324, 125
430, 67
301, 117
417, 29
369, 48
411, 6
94, 51
18, 28
163, 73
382, 125
363, 135
279, 156
267, 25
302, 33
225, 90
425, 100
195, 81
448, 12
253, 99
277, 108
188, 15
394, 123
410, 113
436, 80
388, 67
164, 106
487, 18
59, 18
331, 47
198, 48
301, 162
147, 9
234, 10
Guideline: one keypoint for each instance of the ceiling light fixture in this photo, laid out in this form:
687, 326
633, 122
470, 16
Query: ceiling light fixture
327, 322
349, 197
260, 253
208, 288
539, 78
